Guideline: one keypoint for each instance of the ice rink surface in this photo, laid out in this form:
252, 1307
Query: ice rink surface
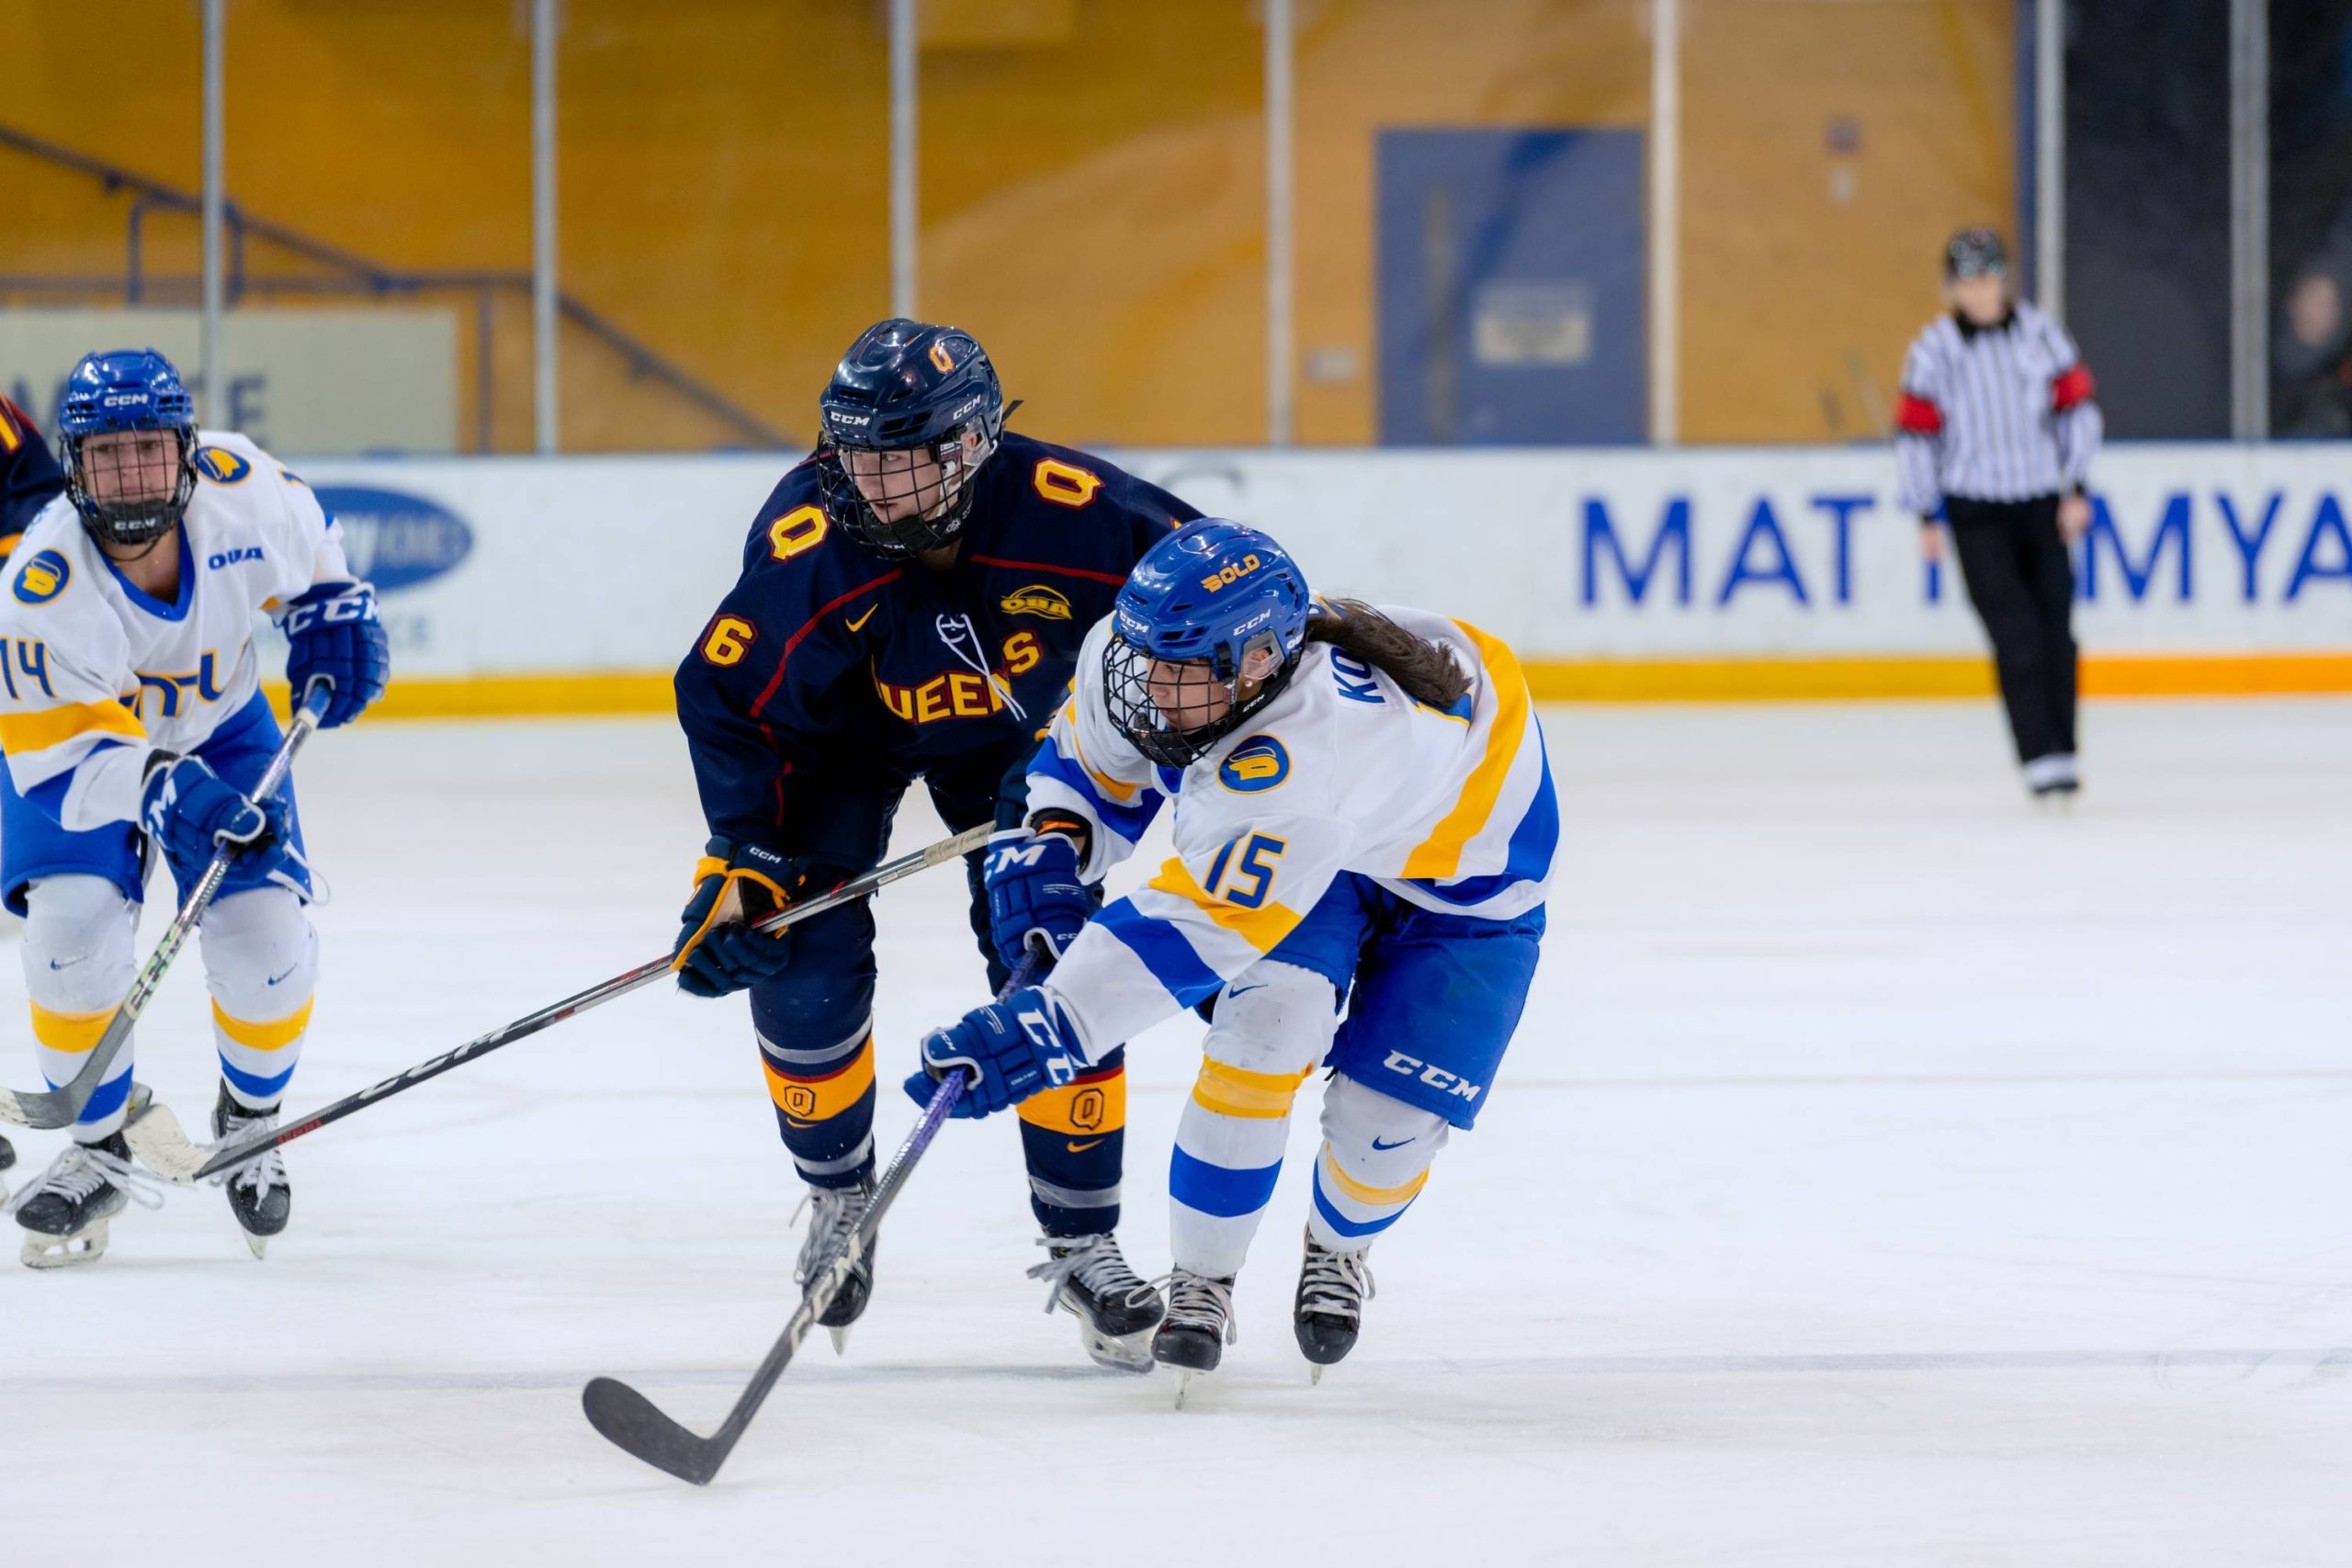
1884, 1174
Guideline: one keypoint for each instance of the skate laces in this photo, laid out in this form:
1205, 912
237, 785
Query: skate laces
76, 1175
1096, 1263
258, 1174
837, 1211
1335, 1282
1198, 1300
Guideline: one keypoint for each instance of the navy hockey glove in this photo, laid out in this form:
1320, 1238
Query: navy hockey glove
1035, 894
717, 951
1011, 1050
334, 633
191, 812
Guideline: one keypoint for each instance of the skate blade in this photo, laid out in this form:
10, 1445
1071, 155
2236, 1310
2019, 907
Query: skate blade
1132, 1354
87, 1245
840, 1337
1184, 1376
259, 1244
1314, 1374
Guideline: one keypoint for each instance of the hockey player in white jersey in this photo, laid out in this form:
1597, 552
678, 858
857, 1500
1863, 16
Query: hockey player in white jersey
132, 723
1362, 812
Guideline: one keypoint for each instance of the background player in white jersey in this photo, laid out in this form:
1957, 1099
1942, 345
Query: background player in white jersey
1363, 810
132, 720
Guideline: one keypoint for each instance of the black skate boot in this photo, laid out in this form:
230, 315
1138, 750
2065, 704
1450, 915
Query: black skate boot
259, 1194
8, 1154
65, 1212
1114, 1308
836, 1213
1199, 1325
1333, 1288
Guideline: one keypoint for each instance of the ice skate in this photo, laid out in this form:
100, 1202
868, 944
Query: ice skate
65, 1212
836, 1213
1114, 1308
1333, 1288
7, 1158
259, 1194
1198, 1327
2053, 781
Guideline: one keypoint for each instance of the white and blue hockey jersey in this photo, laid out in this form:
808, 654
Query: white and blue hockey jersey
1450, 809
95, 675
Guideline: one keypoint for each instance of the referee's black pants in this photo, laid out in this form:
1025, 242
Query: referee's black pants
2022, 580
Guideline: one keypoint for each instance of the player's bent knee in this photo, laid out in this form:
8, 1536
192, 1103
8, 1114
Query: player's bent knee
77, 943
261, 956
1275, 1017
1377, 1140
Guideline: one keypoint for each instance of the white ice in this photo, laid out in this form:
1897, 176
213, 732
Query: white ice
1885, 1174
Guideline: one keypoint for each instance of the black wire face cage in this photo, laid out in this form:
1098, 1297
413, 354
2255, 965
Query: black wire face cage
929, 489
1126, 692
129, 522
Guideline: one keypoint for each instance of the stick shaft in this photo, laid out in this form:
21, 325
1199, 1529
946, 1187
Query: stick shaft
594, 996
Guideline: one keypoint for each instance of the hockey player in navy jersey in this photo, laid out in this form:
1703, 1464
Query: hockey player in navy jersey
912, 604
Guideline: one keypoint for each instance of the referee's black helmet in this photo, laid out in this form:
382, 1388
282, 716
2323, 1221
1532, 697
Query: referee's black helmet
1972, 252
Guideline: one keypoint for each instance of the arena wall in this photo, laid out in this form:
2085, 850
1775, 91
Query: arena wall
513, 585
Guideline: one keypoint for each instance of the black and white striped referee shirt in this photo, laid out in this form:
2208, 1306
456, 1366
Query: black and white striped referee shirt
2001, 412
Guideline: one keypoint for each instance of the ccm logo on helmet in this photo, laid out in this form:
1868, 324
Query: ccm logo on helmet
1234, 572
1436, 1077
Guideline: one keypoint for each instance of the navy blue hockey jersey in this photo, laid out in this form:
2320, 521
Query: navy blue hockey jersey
29, 477
825, 656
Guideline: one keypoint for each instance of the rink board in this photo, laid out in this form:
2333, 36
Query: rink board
516, 585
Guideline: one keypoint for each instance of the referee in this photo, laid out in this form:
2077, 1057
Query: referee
1994, 433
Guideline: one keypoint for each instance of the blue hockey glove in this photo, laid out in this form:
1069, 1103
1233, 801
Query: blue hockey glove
334, 633
1034, 894
1011, 1050
735, 888
191, 812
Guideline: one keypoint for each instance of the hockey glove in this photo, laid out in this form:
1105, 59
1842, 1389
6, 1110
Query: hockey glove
717, 951
332, 633
1035, 894
1011, 1050
191, 812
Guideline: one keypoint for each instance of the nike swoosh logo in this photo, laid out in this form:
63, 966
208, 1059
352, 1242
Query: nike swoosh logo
1245, 990
1397, 1144
1081, 1148
861, 621
290, 969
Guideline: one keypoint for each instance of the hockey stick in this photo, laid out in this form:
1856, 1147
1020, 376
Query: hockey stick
58, 1107
164, 1148
630, 1421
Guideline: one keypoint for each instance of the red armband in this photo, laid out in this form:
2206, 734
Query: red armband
1916, 415
2069, 387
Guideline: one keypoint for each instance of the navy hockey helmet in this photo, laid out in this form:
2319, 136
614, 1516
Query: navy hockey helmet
911, 412
125, 391
1195, 609
1973, 252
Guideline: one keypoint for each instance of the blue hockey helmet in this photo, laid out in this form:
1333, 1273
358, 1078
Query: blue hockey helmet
1215, 606
910, 414
127, 390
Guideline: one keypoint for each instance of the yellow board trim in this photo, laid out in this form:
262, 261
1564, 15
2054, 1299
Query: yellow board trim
1263, 927
73, 1033
1236, 1091
274, 1035
1372, 1196
26, 732
1079, 1110
1439, 856
809, 1101
624, 693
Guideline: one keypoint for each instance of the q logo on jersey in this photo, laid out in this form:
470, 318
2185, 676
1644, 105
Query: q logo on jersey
43, 578
1258, 765
1050, 603
221, 465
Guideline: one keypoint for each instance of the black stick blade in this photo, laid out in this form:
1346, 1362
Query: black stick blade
630, 1422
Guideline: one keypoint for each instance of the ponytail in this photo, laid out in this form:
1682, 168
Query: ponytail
1427, 670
